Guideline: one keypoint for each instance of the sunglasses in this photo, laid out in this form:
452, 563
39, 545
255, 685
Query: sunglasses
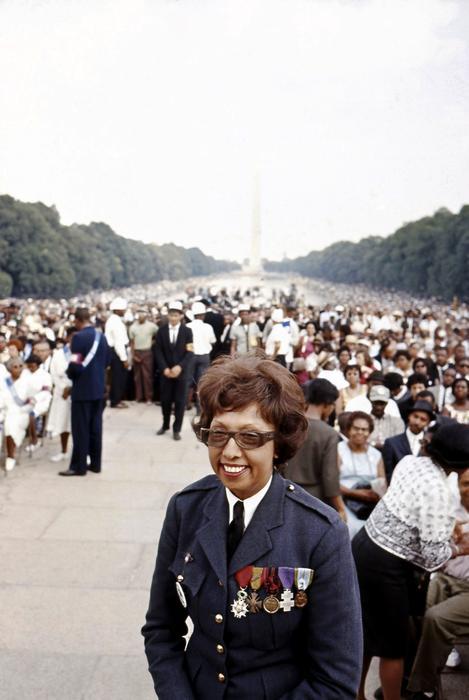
245, 439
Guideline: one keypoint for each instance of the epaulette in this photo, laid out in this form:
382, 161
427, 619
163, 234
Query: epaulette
205, 484
299, 495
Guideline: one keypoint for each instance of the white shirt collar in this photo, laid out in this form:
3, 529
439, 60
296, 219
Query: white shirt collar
250, 504
173, 329
414, 441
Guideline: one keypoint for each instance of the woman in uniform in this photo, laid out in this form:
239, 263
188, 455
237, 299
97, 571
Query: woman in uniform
262, 568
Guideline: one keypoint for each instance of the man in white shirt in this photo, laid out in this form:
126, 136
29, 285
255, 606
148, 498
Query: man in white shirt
204, 339
278, 342
118, 340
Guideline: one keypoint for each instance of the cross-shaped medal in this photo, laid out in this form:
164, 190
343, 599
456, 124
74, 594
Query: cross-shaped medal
287, 602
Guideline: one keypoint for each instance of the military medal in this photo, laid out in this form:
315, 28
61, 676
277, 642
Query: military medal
271, 602
286, 575
257, 581
303, 579
180, 591
180, 579
239, 606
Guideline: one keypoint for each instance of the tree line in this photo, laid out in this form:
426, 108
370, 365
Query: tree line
41, 257
427, 258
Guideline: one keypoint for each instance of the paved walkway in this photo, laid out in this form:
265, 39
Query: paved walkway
76, 559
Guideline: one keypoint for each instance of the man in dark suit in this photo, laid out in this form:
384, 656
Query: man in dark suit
174, 352
315, 465
89, 359
408, 442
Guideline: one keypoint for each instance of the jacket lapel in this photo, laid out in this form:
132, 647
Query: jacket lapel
212, 535
256, 541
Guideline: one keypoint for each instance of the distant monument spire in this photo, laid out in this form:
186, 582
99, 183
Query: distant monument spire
255, 264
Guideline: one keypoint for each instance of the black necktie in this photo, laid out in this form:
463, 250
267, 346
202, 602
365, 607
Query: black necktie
235, 528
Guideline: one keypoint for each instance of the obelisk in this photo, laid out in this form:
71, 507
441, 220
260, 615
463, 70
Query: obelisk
255, 263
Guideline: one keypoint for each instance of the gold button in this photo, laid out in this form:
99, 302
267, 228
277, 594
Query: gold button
218, 618
291, 487
220, 583
220, 649
180, 578
221, 677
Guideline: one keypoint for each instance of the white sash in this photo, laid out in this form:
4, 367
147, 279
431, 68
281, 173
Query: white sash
94, 348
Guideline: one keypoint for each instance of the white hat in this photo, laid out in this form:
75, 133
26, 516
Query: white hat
244, 307
175, 306
198, 308
118, 304
277, 315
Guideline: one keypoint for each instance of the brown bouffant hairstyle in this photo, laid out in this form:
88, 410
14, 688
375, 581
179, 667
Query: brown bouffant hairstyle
354, 415
231, 384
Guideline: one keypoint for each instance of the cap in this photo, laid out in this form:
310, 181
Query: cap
118, 304
175, 306
379, 393
244, 307
198, 308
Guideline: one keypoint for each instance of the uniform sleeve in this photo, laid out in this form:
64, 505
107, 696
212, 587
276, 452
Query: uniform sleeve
334, 629
165, 624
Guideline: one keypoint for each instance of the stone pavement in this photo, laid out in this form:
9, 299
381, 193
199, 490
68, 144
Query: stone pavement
76, 560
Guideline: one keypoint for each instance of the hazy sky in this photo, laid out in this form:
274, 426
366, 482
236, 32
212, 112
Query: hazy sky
154, 116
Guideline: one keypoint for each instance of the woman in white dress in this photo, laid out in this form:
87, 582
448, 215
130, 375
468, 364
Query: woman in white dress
59, 422
17, 401
360, 464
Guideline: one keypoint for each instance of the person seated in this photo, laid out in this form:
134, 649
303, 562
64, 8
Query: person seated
363, 403
361, 471
415, 383
386, 426
459, 409
40, 382
17, 402
409, 441
447, 615
354, 388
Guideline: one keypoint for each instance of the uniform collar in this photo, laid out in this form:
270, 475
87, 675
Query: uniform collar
250, 504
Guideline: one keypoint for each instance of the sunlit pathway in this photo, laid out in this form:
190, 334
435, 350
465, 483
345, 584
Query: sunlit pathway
76, 558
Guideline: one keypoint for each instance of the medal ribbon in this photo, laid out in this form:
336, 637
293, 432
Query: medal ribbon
258, 577
271, 581
303, 578
286, 575
243, 576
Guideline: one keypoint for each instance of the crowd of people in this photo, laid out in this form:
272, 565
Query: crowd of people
381, 375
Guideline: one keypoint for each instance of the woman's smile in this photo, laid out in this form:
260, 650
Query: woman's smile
244, 472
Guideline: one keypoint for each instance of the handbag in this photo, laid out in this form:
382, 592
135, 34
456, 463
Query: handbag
361, 510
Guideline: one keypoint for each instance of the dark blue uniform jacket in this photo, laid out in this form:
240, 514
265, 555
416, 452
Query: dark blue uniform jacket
309, 653
88, 382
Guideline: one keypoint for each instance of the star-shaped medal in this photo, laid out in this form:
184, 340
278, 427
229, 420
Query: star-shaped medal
239, 607
254, 603
287, 601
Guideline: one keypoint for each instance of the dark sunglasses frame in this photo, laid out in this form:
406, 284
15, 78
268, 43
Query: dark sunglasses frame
262, 437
